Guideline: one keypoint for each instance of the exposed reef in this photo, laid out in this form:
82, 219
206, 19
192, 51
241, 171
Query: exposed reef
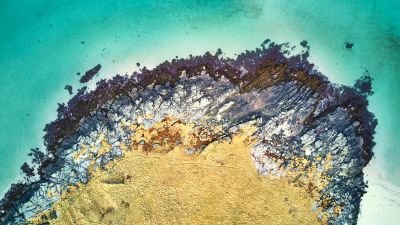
316, 135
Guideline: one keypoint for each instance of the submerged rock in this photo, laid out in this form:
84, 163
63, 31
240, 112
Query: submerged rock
90, 74
316, 134
69, 89
349, 45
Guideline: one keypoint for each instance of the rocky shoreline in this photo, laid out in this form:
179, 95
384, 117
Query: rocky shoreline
306, 125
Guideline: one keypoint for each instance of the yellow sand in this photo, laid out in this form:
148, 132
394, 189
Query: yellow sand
218, 186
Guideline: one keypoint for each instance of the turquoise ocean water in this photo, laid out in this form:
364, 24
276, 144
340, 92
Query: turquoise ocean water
43, 44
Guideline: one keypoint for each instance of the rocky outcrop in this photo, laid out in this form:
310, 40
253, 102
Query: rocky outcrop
317, 133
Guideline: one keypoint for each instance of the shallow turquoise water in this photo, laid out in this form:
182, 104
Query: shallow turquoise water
41, 51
